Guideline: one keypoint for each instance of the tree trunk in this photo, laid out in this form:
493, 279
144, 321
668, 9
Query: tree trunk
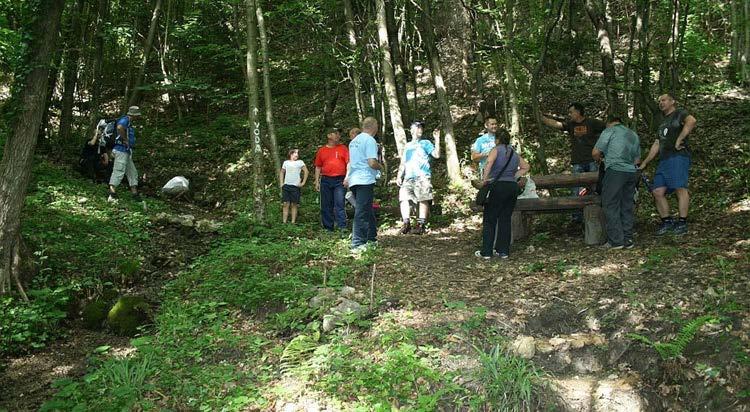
135, 95
510, 77
251, 75
454, 169
737, 31
397, 59
70, 73
541, 150
331, 99
354, 69
606, 52
746, 54
272, 142
647, 107
397, 123
15, 167
97, 64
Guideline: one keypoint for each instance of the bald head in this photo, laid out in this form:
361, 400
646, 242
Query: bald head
370, 126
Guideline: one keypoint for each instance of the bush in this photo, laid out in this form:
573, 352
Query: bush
25, 326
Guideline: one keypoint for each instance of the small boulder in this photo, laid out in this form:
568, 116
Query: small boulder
347, 306
128, 314
524, 347
330, 322
347, 292
207, 226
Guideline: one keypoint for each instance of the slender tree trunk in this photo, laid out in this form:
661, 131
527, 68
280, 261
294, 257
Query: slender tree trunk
135, 95
746, 54
15, 166
454, 169
541, 150
272, 142
251, 75
97, 65
606, 52
646, 106
70, 73
354, 70
510, 76
737, 31
390, 80
396, 59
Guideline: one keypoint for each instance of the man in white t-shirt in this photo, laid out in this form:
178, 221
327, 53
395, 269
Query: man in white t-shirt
293, 174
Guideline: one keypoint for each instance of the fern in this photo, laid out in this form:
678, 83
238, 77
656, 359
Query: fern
675, 348
298, 351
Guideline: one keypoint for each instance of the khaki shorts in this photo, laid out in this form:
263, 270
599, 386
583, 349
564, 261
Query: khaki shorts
123, 166
416, 190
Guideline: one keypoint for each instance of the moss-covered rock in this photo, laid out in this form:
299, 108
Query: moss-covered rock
128, 314
94, 314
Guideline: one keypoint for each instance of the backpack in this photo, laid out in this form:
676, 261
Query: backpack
107, 130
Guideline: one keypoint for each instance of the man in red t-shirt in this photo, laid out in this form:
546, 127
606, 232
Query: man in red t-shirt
330, 170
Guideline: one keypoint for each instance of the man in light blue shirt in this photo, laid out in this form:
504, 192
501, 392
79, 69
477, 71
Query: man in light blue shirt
360, 178
619, 148
415, 177
484, 144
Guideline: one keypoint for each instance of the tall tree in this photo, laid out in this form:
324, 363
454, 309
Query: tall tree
251, 75
354, 66
595, 10
102, 15
390, 79
75, 41
454, 169
15, 167
272, 143
147, 46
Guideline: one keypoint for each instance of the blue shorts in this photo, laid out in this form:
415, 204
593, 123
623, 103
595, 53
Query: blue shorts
672, 173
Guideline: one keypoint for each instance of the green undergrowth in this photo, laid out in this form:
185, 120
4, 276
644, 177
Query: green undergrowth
74, 240
234, 332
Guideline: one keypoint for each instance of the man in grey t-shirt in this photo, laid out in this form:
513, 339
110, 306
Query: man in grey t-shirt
619, 148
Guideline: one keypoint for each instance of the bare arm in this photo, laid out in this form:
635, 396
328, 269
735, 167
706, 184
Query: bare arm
552, 123
688, 127
317, 178
282, 173
651, 154
596, 154
523, 167
400, 173
373, 163
490, 161
476, 156
436, 151
304, 176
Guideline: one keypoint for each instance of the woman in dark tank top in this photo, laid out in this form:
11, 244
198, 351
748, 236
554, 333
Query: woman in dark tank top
506, 167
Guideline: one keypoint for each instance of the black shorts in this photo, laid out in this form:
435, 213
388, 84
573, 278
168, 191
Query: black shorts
290, 193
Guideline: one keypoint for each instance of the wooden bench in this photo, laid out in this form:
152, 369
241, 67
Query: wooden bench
593, 217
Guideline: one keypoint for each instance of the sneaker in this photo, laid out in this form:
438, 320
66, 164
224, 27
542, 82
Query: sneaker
629, 244
609, 246
406, 228
500, 255
679, 228
664, 228
112, 198
418, 229
478, 254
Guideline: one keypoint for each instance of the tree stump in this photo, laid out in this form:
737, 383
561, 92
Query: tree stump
594, 224
520, 225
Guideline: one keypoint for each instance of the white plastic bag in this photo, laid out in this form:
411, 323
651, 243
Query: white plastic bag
529, 192
176, 186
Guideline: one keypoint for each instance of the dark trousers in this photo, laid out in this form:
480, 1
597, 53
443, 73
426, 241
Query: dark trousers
332, 193
497, 217
364, 226
618, 189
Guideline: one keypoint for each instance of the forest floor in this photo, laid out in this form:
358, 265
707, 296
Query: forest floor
664, 326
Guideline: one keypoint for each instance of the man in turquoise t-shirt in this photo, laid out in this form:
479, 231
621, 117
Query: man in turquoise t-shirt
415, 177
360, 178
484, 144
619, 148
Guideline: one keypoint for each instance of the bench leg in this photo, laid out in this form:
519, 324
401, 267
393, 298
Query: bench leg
520, 225
594, 224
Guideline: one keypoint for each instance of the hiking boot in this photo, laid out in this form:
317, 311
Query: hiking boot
609, 246
405, 228
679, 228
665, 227
629, 244
418, 229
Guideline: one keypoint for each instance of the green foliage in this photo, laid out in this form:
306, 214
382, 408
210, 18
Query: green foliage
658, 257
94, 314
675, 348
25, 326
127, 315
510, 383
